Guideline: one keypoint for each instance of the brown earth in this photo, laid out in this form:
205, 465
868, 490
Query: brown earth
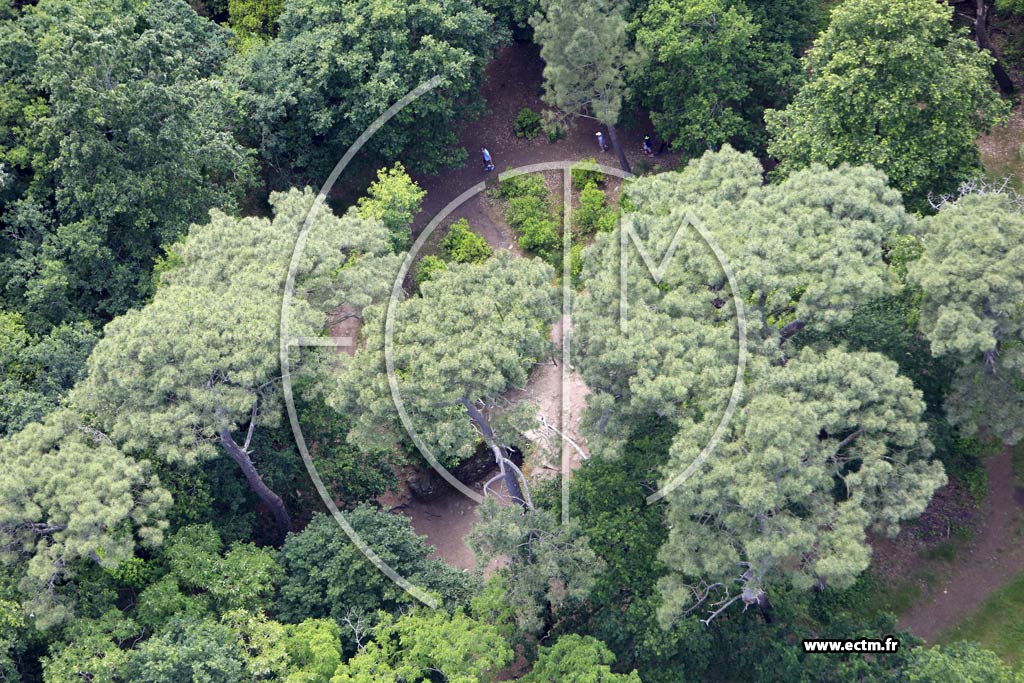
992, 557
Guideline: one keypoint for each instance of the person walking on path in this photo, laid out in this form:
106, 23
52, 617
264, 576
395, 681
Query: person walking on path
488, 163
601, 145
648, 150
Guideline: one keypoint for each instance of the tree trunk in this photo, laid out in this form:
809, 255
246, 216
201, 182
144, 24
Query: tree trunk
764, 605
1003, 79
789, 330
256, 483
515, 491
623, 162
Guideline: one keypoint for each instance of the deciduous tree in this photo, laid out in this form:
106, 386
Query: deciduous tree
116, 131
576, 659
912, 108
337, 66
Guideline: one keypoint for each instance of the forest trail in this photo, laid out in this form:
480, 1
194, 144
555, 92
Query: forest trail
514, 80
994, 556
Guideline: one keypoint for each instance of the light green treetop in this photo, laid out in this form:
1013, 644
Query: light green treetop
414, 646
474, 333
972, 279
202, 359
70, 495
821, 450
576, 659
802, 253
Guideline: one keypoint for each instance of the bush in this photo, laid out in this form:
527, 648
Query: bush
428, 267
529, 213
526, 185
462, 245
555, 131
576, 262
583, 176
593, 213
540, 235
527, 124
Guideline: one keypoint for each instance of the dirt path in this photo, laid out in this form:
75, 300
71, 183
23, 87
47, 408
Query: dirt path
514, 80
990, 559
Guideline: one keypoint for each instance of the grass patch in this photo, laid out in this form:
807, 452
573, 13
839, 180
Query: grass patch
998, 625
944, 552
868, 597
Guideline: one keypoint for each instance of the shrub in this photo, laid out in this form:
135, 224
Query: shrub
462, 245
428, 268
524, 209
593, 213
529, 213
527, 124
526, 185
583, 176
540, 235
576, 262
555, 131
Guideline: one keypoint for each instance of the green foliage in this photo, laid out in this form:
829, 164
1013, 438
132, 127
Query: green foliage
415, 647
593, 214
428, 267
843, 436
36, 372
116, 129
586, 173
68, 498
394, 199
523, 185
187, 650
527, 124
352, 474
839, 437
585, 50
972, 278
712, 66
550, 566
809, 250
912, 110
254, 20
513, 14
243, 577
474, 332
179, 376
462, 245
958, 662
335, 67
701, 59
529, 212
326, 575
308, 652
576, 659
